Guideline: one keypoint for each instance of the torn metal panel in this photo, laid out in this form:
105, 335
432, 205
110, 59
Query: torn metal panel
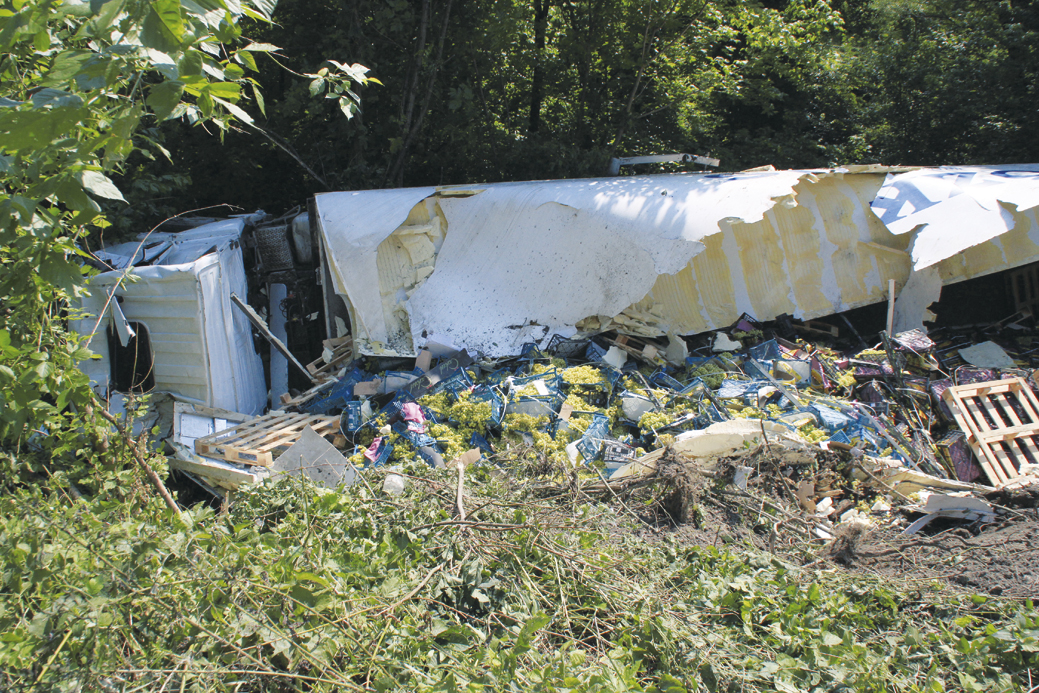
821, 252
952, 208
494, 267
520, 255
353, 227
199, 346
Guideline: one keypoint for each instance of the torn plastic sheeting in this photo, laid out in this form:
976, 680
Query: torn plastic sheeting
890, 475
953, 208
957, 506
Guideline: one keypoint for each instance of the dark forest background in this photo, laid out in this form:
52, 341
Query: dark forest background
493, 90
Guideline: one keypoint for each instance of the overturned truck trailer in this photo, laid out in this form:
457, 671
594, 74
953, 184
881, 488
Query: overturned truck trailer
493, 267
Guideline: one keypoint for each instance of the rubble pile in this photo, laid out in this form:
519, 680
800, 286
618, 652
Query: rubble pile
851, 432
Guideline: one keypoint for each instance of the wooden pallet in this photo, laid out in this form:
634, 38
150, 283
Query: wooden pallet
256, 442
342, 350
1023, 287
996, 433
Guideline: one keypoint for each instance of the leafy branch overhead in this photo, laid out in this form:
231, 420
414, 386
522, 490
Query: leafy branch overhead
335, 81
80, 81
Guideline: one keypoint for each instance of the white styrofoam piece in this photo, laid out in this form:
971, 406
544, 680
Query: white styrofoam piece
987, 355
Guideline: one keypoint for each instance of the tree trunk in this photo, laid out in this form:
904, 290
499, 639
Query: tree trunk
537, 83
412, 122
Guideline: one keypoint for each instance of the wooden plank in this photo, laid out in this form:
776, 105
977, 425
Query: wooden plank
975, 389
337, 342
224, 476
989, 406
260, 325
1008, 432
1026, 398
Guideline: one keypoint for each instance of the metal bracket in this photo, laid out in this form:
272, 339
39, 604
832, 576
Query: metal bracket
615, 163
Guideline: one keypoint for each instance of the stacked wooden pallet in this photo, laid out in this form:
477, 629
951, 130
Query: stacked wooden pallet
259, 441
1001, 420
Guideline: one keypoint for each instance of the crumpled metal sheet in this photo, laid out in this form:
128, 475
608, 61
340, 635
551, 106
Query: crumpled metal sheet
952, 208
492, 267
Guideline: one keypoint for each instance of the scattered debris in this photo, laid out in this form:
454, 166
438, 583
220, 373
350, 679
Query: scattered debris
664, 394
316, 458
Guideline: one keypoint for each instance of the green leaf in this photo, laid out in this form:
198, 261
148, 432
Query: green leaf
830, 639
55, 98
168, 12
100, 185
205, 103
106, 11
72, 196
258, 97
162, 63
224, 90
155, 33
190, 63
164, 97
23, 130
66, 65
57, 270
347, 107
11, 29
264, 7
234, 110
247, 59
261, 48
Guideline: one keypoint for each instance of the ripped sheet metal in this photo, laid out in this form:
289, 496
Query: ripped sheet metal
951, 208
492, 267
202, 348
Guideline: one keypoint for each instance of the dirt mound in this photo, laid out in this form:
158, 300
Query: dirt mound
998, 559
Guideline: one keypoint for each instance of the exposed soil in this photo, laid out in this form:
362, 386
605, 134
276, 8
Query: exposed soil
998, 559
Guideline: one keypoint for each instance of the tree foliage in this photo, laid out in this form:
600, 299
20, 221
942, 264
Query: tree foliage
81, 80
535, 89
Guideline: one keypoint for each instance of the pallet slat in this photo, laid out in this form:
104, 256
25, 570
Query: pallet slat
256, 442
1001, 439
